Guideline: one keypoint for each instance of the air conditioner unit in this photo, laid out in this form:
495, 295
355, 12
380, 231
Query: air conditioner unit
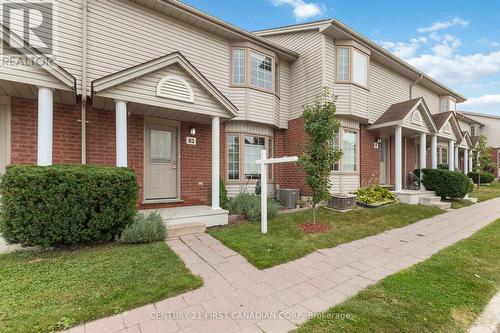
288, 197
342, 201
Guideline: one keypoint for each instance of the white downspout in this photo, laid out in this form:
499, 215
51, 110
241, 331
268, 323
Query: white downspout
83, 117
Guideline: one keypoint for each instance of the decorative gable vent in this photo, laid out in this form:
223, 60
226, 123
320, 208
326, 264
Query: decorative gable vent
175, 87
447, 128
416, 118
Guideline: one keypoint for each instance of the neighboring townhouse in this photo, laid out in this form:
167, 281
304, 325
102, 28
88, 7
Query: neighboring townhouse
185, 99
394, 118
483, 124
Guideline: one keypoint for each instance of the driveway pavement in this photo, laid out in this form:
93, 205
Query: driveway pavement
237, 297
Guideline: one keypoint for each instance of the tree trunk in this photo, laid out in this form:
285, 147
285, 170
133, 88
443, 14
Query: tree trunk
314, 215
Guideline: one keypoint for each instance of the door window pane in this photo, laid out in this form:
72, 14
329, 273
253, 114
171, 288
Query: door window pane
233, 149
161, 145
350, 148
253, 147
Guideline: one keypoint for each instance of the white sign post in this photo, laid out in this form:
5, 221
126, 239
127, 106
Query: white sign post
264, 162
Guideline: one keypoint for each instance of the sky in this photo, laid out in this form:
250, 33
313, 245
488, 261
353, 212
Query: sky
456, 42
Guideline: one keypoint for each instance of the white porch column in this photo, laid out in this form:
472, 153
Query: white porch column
398, 138
121, 133
434, 152
215, 162
466, 161
457, 159
451, 155
471, 166
423, 151
45, 126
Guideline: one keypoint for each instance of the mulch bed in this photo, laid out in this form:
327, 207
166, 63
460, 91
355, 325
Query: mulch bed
314, 228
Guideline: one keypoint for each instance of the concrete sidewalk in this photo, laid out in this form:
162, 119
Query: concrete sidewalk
237, 297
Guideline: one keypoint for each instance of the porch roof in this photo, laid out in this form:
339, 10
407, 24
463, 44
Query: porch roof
147, 94
401, 114
443, 118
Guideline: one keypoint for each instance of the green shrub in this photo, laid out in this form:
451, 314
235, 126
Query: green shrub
248, 205
223, 198
486, 177
443, 166
144, 229
446, 183
375, 194
63, 205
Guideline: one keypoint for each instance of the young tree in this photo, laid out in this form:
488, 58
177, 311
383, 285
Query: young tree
321, 126
481, 157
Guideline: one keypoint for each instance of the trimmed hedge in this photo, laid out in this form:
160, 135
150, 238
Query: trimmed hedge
64, 205
446, 183
486, 177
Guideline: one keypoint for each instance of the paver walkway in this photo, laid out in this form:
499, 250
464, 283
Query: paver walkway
237, 297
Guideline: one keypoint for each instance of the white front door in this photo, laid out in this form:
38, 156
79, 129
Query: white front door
3, 138
383, 162
160, 169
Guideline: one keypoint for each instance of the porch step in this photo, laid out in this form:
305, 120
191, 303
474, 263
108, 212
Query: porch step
177, 230
192, 215
430, 200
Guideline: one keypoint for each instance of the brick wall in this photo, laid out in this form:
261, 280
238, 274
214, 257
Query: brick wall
291, 142
494, 156
369, 158
24, 129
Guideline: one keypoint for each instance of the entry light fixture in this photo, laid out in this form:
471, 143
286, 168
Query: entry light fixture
378, 140
192, 130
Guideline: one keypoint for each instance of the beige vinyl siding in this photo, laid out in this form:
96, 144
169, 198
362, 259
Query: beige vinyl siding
284, 98
344, 183
464, 126
33, 75
431, 99
306, 72
122, 35
490, 129
239, 97
386, 88
235, 126
343, 93
359, 102
329, 72
348, 123
143, 90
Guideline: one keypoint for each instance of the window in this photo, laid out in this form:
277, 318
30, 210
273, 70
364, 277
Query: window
343, 64
474, 130
233, 155
350, 149
336, 166
444, 105
239, 61
277, 78
243, 166
416, 118
443, 155
261, 71
453, 105
348, 140
359, 68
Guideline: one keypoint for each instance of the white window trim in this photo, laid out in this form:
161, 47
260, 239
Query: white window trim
241, 161
341, 161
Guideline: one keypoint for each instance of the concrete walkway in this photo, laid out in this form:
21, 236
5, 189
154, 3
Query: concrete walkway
237, 297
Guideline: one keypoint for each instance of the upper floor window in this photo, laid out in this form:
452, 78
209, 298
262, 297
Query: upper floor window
343, 65
257, 67
262, 71
445, 106
474, 130
352, 66
239, 61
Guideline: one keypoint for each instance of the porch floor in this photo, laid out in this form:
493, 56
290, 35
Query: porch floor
192, 215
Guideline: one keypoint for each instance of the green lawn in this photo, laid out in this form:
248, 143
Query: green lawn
445, 293
483, 193
487, 192
285, 241
50, 290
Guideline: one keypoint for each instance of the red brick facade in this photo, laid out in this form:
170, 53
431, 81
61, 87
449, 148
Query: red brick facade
196, 172
495, 152
291, 142
369, 158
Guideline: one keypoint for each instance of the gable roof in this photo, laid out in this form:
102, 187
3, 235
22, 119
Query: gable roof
149, 67
463, 116
441, 119
397, 111
47, 64
467, 138
339, 30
